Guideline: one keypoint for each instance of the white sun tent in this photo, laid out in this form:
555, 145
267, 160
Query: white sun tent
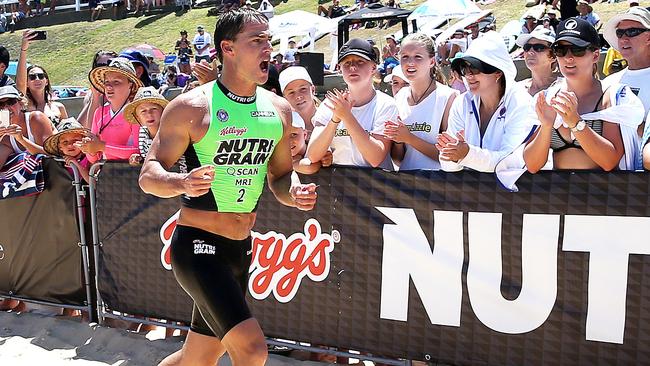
300, 23
440, 10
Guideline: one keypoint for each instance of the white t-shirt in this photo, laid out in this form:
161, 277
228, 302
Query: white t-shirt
423, 120
370, 116
289, 54
637, 80
200, 41
510, 125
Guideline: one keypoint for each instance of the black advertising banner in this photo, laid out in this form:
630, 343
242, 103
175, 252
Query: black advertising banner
40, 257
422, 265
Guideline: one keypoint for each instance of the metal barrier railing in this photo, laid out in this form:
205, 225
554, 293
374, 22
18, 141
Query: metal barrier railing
90, 305
103, 312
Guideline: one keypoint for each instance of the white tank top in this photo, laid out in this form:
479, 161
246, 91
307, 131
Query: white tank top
14, 144
423, 120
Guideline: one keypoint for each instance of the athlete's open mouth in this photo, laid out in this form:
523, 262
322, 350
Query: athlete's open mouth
264, 66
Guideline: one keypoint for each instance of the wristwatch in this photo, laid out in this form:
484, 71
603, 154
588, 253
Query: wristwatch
579, 126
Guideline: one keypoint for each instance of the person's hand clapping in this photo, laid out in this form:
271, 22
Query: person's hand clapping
340, 103
565, 103
396, 131
452, 148
204, 72
304, 196
198, 181
545, 113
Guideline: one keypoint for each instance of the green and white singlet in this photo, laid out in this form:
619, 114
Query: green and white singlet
242, 135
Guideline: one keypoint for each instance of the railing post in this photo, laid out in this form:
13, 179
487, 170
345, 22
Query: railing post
94, 176
92, 308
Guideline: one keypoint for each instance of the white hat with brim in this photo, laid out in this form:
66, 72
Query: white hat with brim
635, 13
397, 72
293, 73
118, 65
541, 33
297, 121
144, 95
491, 49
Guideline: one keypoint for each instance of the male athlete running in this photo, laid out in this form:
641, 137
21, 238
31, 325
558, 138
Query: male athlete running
233, 135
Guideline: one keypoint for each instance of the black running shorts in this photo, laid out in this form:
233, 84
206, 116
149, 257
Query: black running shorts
213, 270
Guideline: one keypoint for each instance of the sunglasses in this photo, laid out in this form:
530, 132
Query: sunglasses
630, 32
562, 50
8, 103
38, 75
537, 47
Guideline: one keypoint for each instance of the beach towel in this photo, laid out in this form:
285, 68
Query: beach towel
22, 175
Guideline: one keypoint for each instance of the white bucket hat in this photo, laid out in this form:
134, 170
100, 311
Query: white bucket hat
635, 13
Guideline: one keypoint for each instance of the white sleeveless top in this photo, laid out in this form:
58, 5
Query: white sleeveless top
14, 144
423, 120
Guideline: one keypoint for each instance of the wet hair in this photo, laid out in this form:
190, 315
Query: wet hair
232, 23
427, 42
100, 54
48, 87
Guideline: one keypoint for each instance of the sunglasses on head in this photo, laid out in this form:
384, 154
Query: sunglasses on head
7, 103
562, 50
537, 47
630, 32
37, 75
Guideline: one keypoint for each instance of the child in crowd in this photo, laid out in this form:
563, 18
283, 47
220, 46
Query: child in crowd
298, 144
145, 110
65, 144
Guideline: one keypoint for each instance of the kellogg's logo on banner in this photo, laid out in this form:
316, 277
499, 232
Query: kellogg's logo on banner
278, 263
166, 234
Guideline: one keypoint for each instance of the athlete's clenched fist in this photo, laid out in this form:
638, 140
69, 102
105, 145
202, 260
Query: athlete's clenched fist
198, 181
304, 196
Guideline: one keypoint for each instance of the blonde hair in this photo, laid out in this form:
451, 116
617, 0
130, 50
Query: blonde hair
428, 44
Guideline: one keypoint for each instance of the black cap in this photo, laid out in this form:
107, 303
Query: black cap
578, 32
358, 47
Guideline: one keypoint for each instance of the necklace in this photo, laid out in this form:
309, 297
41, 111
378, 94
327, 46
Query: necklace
416, 102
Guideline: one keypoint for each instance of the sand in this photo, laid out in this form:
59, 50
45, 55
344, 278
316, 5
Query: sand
32, 338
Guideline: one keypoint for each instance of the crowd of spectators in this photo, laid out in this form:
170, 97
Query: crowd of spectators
564, 115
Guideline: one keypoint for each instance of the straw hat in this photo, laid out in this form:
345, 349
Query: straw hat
66, 127
144, 95
119, 65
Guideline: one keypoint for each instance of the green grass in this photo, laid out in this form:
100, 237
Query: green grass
68, 52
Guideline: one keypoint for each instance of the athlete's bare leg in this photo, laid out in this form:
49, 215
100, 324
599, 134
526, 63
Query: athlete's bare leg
244, 343
198, 350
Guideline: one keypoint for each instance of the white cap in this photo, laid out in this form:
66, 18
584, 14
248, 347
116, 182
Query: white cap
541, 33
297, 121
293, 73
491, 49
397, 71
635, 13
